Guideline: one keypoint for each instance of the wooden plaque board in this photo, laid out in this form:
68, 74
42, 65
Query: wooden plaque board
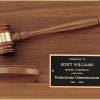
26, 16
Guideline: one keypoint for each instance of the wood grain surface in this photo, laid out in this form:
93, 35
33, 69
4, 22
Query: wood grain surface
27, 16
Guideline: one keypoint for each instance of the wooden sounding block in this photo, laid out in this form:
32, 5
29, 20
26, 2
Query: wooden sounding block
16, 72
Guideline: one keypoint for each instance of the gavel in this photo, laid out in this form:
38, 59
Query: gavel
7, 39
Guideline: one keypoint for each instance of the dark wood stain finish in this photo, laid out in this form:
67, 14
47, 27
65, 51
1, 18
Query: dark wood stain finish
27, 16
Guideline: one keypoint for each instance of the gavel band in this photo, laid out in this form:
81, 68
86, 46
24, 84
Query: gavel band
6, 42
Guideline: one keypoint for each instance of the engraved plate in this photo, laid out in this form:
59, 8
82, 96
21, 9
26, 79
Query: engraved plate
68, 70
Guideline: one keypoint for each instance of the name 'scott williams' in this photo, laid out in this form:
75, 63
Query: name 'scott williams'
78, 64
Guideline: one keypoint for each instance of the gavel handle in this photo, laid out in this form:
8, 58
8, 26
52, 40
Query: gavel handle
58, 28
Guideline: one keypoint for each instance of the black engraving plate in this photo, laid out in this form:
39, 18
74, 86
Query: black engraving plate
74, 70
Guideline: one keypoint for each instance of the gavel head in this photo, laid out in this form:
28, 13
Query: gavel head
6, 42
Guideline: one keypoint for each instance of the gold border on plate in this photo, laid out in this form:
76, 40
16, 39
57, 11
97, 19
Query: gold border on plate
68, 55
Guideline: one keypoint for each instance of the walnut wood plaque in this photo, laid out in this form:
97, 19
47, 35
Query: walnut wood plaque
27, 16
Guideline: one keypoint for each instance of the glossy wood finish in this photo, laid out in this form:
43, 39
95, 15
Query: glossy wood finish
35, 51
74, 25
